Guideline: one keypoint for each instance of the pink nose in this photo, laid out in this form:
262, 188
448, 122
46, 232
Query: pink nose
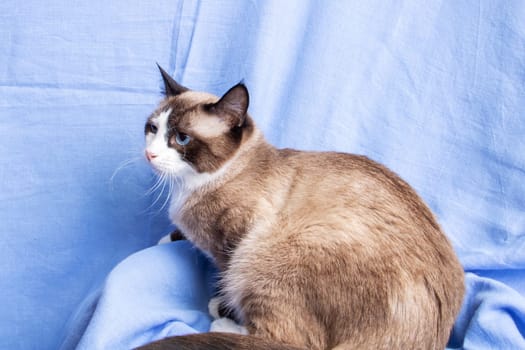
150, 155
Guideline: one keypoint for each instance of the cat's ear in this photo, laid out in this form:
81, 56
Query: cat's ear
233, 105
171, 87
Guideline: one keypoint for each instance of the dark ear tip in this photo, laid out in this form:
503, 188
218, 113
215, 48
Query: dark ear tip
238, 89
162, 71
241, 85
171, 87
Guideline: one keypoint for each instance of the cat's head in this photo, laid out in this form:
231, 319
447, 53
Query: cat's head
194, 132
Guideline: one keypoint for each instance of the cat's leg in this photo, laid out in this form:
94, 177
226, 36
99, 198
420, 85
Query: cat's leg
218, 309
222, 323
176, 235
214, 307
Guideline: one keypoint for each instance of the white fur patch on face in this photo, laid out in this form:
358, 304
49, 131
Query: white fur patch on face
164, 159
155, 143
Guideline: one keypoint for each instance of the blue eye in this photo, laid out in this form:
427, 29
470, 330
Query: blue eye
151, 128
182, 139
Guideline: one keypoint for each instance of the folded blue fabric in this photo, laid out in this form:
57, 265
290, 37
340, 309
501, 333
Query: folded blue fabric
493, 317
155, 293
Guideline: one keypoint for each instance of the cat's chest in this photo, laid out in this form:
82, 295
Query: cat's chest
214, 222
177, 202
194, 214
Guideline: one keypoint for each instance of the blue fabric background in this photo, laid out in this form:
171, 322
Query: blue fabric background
434, 90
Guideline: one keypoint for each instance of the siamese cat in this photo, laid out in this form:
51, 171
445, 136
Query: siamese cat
317, 250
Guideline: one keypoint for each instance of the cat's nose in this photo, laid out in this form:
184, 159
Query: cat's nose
150, 155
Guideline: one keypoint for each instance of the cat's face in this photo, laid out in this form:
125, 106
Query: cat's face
195, 133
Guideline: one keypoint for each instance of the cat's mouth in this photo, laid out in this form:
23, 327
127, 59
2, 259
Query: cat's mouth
175, 168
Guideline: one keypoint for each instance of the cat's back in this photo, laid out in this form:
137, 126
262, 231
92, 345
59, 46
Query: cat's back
355, 200
348, 180
336, 167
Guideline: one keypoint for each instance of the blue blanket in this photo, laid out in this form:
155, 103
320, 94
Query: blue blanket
434, 90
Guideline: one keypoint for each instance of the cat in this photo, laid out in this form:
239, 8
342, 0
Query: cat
317, 250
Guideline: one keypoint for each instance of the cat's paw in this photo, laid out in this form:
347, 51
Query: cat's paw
165, 239
213, 307
227, 325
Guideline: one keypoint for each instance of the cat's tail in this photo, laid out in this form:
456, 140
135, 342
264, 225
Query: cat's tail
216, 341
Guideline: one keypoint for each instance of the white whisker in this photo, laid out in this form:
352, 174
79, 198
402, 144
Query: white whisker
156, 185
123, 165
170, 190
161, 192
